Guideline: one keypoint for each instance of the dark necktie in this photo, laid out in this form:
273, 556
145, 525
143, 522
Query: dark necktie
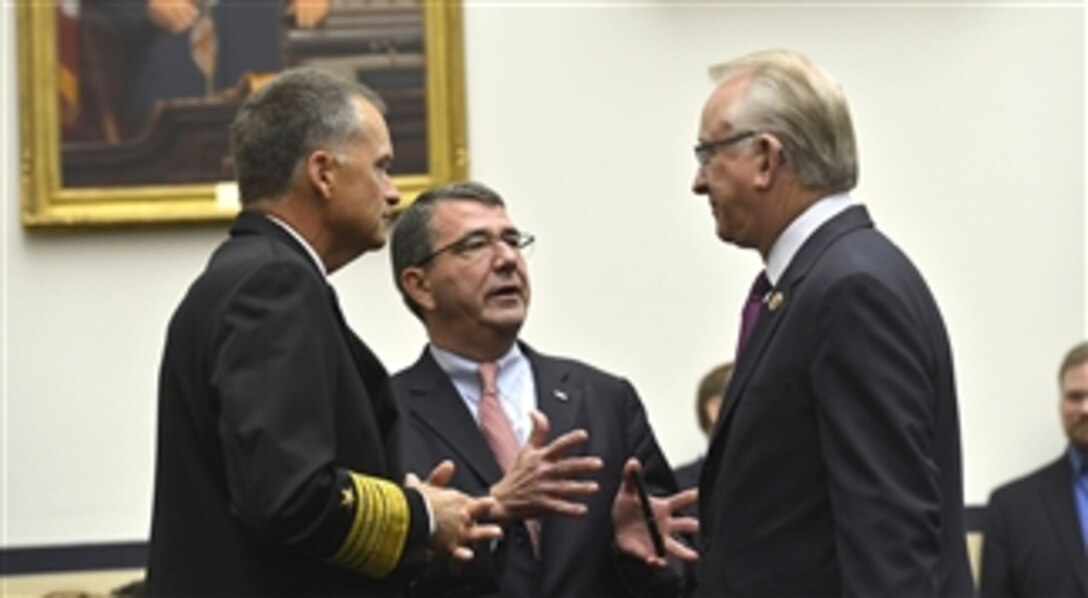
499, 434
752, 308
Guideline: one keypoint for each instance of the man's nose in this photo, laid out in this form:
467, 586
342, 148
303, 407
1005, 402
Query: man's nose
698, 186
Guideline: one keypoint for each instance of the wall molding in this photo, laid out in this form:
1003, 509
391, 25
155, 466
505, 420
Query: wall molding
83, 557
133, 555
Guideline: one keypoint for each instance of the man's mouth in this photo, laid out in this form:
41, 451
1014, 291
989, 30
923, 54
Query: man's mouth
510, 290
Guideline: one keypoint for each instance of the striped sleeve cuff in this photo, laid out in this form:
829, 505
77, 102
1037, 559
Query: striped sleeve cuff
379, 529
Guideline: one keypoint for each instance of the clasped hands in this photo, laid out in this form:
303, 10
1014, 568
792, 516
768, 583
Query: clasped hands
456, 514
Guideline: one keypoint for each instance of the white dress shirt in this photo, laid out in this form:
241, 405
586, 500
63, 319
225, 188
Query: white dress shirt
517, 390
790, 241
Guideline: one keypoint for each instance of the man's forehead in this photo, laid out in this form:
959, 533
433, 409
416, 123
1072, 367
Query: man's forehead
460, 215
1075, 380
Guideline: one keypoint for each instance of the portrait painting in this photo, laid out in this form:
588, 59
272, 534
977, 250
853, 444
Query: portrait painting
126, 104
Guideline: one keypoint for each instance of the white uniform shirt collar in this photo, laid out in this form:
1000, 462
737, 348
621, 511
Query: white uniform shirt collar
310, 250
517, 389
790, 241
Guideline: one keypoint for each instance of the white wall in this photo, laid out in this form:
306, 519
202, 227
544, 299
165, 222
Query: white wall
971, 125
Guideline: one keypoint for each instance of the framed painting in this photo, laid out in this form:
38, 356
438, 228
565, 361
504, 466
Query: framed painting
124, 110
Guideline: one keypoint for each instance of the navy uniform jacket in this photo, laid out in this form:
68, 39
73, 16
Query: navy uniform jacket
273, 416
1032, 543
835, 465
577, 554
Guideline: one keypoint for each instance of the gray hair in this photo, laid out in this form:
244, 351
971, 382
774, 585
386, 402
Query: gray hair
413, 234
795, 100
279, 125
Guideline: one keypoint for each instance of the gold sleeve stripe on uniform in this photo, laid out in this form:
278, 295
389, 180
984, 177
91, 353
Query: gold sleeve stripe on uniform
379, 529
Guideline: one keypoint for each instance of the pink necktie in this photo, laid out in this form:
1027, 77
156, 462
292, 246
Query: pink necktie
752, 307
500, 435
493, 422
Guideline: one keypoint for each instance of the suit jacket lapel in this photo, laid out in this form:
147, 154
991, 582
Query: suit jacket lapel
1061, 510
557, 396
746, 362
434, 401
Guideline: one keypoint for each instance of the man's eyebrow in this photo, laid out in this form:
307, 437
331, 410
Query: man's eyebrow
475, 231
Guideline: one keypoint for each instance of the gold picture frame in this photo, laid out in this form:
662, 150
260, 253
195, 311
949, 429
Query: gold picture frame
47, 202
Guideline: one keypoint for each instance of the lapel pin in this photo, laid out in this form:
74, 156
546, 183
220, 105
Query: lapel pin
776, 301
562, 396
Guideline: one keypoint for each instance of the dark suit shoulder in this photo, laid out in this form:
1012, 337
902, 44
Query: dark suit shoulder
868, 253
574, 366
578, 370
259, 277
259, 248
1022, 488
414, 374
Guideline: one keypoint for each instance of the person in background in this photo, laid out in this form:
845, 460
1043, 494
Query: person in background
708, 401
278, 463
835, 465
555, 442
1036, 532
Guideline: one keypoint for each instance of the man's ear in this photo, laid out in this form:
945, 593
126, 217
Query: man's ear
415, 285
772, 159
321, 172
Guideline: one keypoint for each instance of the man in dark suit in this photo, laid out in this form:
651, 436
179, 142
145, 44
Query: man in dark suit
834, 468
278, 468
1036, 533
574, 436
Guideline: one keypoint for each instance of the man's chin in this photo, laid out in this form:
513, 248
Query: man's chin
508, 318
1078, 437
729, 236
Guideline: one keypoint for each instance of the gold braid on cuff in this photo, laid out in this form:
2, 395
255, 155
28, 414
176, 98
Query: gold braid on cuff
379, 527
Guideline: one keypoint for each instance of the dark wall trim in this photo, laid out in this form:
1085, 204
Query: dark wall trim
974, 517
86, 557
133, 555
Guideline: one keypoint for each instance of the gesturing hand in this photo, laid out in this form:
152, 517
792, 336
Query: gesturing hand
541, 480
455, 514
632, 535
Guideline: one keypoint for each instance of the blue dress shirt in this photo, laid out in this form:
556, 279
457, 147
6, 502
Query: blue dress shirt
1080, 492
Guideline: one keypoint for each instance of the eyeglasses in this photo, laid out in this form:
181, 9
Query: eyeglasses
476, 245
706, 149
